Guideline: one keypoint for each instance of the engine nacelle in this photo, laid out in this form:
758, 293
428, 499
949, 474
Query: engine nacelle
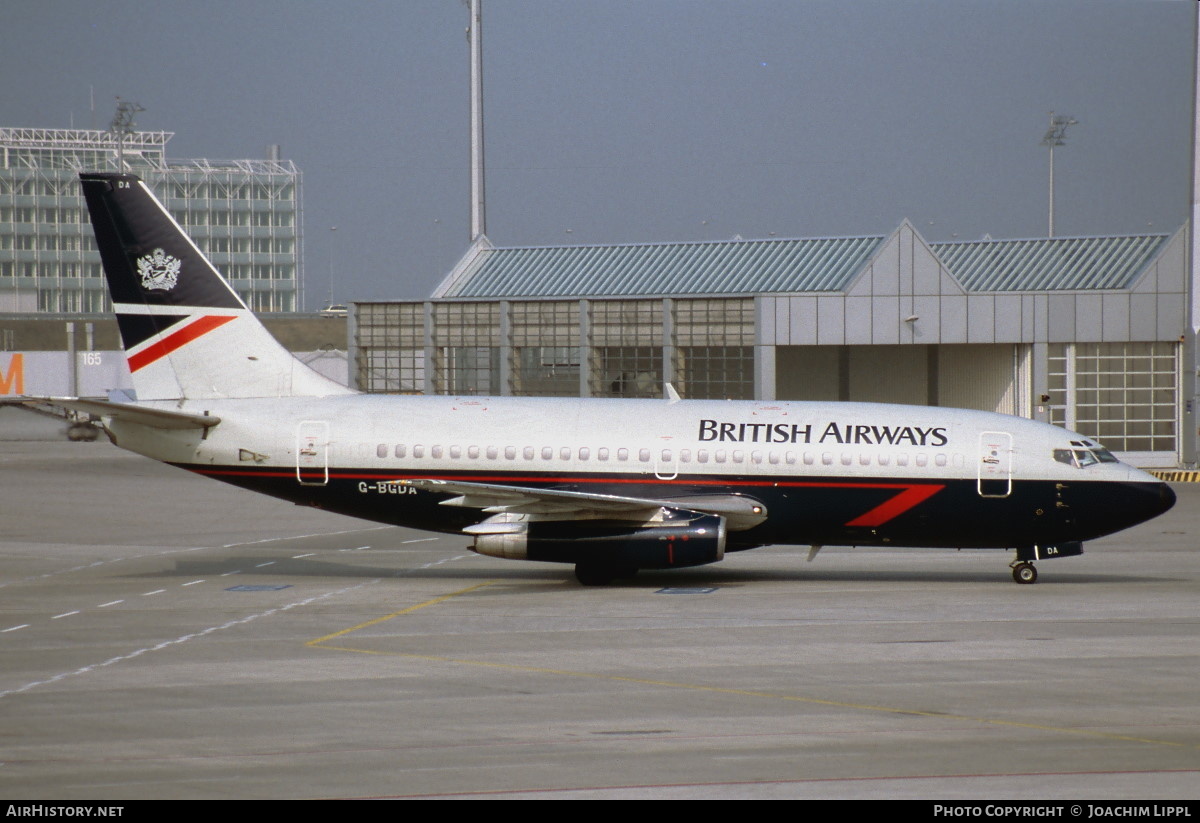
687, 539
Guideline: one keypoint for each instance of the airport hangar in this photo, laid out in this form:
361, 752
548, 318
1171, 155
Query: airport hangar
1091, 333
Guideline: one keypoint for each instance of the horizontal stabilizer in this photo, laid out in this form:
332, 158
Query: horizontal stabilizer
142, 415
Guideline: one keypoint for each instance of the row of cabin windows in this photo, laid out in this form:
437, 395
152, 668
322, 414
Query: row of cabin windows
623, 455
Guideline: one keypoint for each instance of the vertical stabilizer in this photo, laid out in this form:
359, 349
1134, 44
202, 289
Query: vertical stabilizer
186, 332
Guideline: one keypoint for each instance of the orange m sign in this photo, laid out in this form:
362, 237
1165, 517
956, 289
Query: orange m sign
12, 379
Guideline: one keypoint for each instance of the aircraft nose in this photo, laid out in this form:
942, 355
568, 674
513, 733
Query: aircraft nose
1166, 497
1157, 495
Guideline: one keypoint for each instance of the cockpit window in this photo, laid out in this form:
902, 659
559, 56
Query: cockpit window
1102, 454
1084, 455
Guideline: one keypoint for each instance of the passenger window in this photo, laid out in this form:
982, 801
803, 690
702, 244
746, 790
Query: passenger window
418, 451
381, 450
701, 455
940, 459
644, 455
510, 452
827, 458
864, 459
922, 460
902, 460
602, 453
473, 452
666, 455
564, 453
774, 458
527, 452
622, 454
685, 456
399, 451
492, 452
720, 455
547, 453
847, 458
436, 452
738, 455
756, 457
455, 452
584, 453
884, 458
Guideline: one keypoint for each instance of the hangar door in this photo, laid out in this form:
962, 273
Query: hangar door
987, 377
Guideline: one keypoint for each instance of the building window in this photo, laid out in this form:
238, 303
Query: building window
1122, 394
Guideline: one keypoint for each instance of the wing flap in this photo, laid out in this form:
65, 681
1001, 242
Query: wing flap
740, 512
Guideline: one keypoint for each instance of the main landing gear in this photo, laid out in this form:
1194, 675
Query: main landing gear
601, 574
1024, 571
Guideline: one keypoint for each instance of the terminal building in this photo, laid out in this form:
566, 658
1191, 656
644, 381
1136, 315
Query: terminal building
244, 214
1091, 333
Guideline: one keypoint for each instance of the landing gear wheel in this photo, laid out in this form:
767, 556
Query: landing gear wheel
82, 432
594, 574
1024, 573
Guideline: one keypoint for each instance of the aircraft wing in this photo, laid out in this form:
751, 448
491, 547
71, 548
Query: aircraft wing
739, 511
146, 416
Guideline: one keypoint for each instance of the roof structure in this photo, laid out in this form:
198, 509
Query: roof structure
1051, 264
779, 266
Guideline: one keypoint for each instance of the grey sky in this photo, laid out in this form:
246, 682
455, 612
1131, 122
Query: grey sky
640, 120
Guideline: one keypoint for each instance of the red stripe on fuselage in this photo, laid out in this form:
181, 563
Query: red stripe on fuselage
896, 506
177, 340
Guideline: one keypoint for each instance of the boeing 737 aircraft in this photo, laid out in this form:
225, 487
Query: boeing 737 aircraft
611, 486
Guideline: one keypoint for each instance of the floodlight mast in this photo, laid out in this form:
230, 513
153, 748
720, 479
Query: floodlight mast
1056, 136
121, 125
475, 38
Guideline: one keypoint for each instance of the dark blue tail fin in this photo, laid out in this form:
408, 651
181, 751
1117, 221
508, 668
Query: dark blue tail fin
186, 332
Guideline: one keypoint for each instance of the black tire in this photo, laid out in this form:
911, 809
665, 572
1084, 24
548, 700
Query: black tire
625, 572
594, 574
1025, 573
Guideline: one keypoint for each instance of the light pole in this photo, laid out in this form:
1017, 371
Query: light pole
1056, 136
332, 235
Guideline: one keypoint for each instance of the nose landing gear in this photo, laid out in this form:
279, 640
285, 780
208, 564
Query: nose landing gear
1023, 571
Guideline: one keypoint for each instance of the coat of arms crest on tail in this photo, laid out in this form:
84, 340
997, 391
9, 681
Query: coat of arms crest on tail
159, 271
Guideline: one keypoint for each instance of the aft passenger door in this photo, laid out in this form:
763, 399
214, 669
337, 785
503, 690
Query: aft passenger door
312, 453
995, 464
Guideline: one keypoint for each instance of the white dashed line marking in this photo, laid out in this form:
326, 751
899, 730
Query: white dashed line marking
183, 639
64, 614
